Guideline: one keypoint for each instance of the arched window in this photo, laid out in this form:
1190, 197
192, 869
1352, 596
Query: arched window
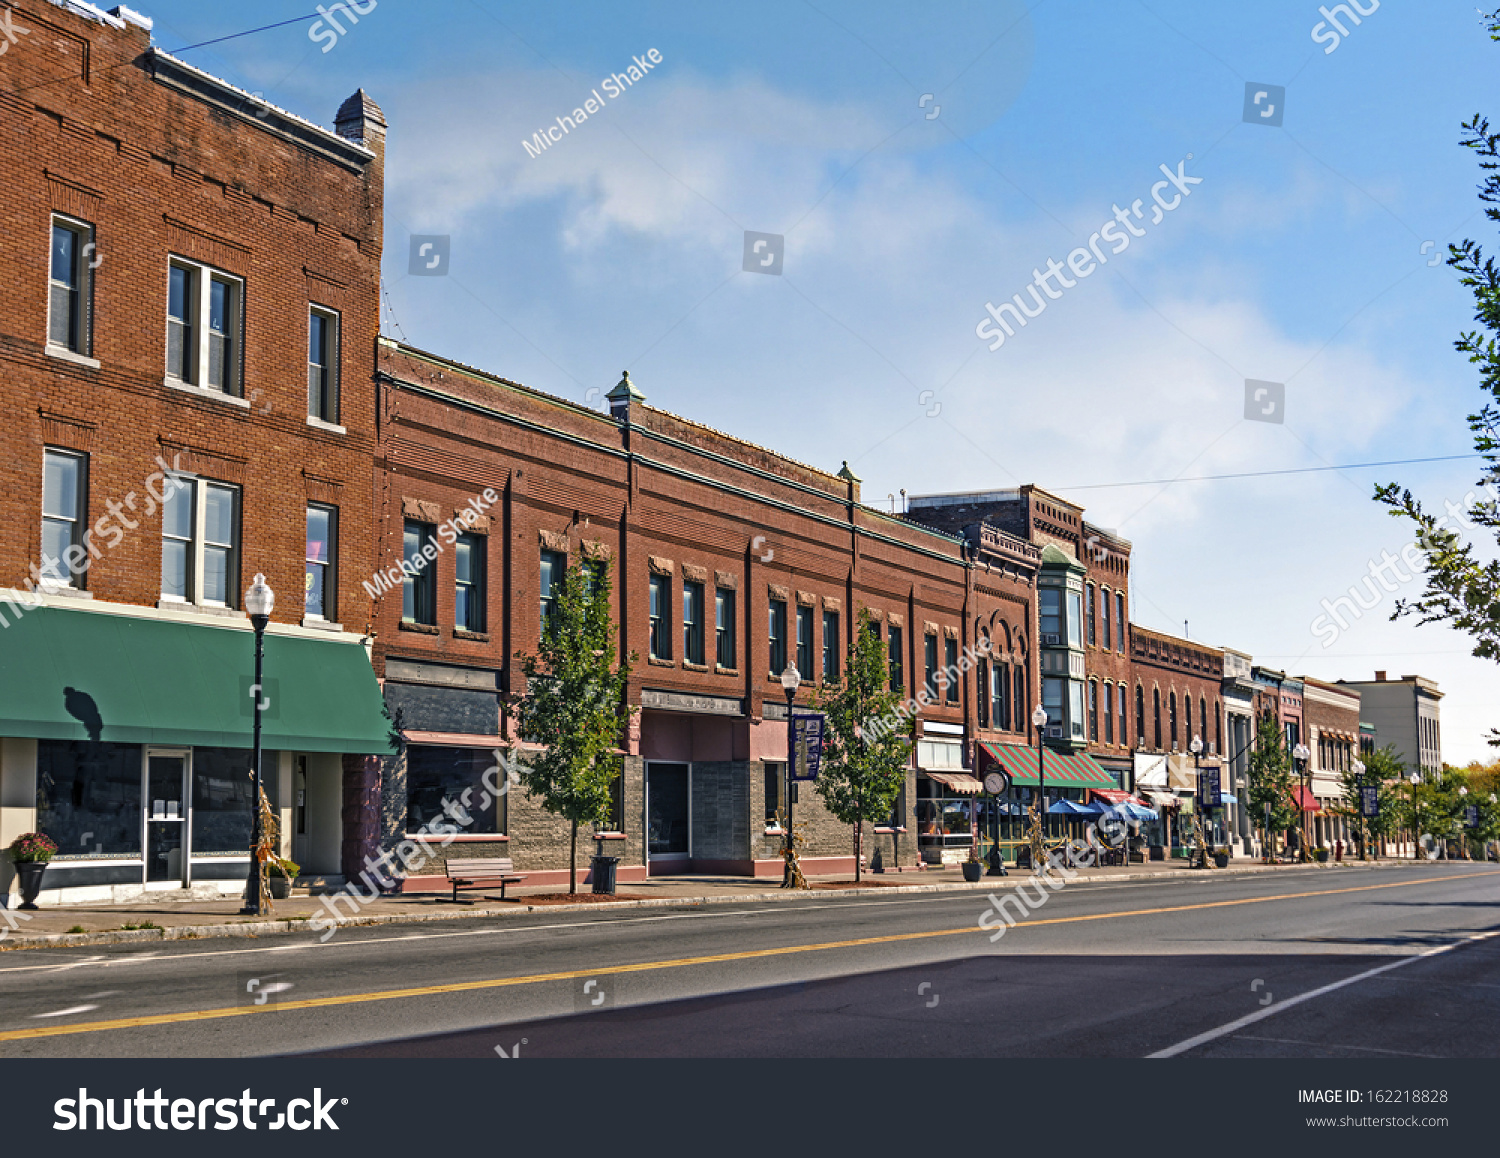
1172, 717
1203, 719
1219, 729
1156, 711
1109, 715
1187, 718
1140, 713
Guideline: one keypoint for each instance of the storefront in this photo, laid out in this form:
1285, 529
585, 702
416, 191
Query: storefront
1065, 776
127, 739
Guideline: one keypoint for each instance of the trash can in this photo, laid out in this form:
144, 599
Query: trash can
602, 872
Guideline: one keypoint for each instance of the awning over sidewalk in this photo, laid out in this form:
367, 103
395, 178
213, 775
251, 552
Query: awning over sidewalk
1305, 800
958, 781
99, 675
1062, 770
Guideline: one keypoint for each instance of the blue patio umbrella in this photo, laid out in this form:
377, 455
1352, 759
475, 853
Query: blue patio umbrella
1068, 808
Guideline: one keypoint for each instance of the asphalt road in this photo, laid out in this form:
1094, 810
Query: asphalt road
1398, 962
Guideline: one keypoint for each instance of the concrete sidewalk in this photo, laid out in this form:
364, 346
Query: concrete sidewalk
187, 920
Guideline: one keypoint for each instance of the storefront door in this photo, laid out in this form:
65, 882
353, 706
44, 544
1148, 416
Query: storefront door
667, 811
166, 787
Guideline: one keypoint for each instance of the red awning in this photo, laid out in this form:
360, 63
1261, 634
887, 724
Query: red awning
1305, 800
1117, 796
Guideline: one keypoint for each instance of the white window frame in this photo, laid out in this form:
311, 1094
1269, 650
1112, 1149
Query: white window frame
330, 565
204, 276
197, 544
330, 385
64, 574
84, 232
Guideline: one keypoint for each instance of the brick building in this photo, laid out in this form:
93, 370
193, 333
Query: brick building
727, 562
1177, 698
180, 260
1331, 716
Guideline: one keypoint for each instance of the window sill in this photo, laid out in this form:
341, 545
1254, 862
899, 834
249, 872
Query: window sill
461, 837
165, 604
67, 592
655, 662
471, 636
775, 832
703, 667
720, 669
63, 354
886, 830
609, 836
331, 427
321, 624
419, 628
205, 392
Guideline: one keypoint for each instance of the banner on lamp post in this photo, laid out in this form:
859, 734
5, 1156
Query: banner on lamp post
804, 745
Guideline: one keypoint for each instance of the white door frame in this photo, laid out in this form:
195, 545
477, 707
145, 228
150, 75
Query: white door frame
186, 755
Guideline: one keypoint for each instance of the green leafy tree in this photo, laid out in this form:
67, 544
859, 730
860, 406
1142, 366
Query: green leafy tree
1381, 769
1461, 587
574, 706
1271, 779
1385, 769
866, 746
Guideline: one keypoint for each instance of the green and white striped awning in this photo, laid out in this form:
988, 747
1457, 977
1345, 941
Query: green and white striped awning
1062, 769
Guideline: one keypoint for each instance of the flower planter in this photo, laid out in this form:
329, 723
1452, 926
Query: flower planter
29, 877
281, 888
972, 870
1221, 860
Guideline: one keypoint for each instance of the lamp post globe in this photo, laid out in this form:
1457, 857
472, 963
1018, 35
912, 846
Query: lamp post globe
260, 600
1300, 754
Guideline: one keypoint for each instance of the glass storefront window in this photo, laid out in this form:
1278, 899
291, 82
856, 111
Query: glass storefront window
88, 797
437, 774
223, 799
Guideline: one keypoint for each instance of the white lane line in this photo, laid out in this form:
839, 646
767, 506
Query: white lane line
1273, 1010
66, 1012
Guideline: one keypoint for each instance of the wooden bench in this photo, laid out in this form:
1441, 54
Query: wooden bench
481, 873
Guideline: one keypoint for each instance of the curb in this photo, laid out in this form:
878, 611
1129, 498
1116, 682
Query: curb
254, 929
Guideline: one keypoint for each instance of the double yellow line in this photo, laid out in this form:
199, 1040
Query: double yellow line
673, 963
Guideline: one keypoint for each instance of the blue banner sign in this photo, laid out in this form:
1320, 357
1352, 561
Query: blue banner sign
805, 745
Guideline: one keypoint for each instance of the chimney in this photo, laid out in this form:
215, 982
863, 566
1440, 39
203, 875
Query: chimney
621, 397
359, 119
1380, 677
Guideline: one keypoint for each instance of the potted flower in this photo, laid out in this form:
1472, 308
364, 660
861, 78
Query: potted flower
1221, 857
1321, 854
283, 873
30, 853
973, 867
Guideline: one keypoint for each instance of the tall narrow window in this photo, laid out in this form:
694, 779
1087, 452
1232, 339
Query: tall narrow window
1093, 735
897, 659
1172, 718
1124, 739
322, 532
982, 676
930, 663
805, 642
777, 636
1203, 719
1050, 599
1104, 606
419, 588
692, 622
830, 646
1140, 715
205, 320
1187, 718
999, 697
64, 556
554, 566
1018, 713
1120, 621
1053, 693
950, 670
1219, 730
1109, 715
1156, 716
200, 542
468, 582
660, 641
724, 628
323, 365
1090, 616
1075, 619
68, 287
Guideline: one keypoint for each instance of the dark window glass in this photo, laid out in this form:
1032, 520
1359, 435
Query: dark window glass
898, 660
88, 797
777, 633
983, 705
1104, 607
64, 557
419, 586
436, 775
950, 670
805, 642
692, 622
1050, 599
724, 628
1172, 717
182, 293
554, 566
1093, 735
223, 796
1120, 621
318, 562
930, 662
660, 642
1109, 715
1091, 616
775, 784
1156, 716
830, 646
468, 577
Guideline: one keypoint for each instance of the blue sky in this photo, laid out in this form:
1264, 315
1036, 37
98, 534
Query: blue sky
1299, 258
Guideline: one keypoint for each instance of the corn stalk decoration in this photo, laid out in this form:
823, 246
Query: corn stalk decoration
791, 873
265, 851
1038, 839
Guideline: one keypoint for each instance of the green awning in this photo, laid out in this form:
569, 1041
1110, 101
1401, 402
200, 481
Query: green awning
81, 674
1063, 769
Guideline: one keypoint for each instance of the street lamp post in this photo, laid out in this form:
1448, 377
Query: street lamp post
791, 679
1038, 837
1301, 753
1358, 768
259, 601
1416, 823
1463, 836
1195, 746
